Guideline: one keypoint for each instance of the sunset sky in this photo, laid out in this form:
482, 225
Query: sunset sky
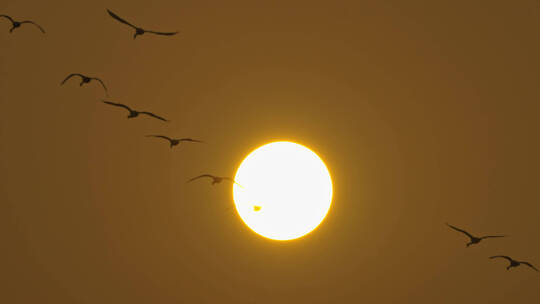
424, 112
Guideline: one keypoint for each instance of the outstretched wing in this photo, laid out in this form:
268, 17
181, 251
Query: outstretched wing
200, 176
153, 115
115, 16
493, 236
160, 136
460, 230
501, 256
117, 105
8, 17
530, 265
71, 75
191, 140
162, 33
32, 22
102, 84
232, 180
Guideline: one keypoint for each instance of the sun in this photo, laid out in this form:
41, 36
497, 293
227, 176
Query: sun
284, 190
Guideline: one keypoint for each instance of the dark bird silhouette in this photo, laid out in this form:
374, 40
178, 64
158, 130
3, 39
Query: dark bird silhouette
474, 239
133, 113
16, 24
86, 79
138, 30
215, 179
175, 141
513, 263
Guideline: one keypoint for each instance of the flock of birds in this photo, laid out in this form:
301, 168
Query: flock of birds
132, 113
477, 239
176, 141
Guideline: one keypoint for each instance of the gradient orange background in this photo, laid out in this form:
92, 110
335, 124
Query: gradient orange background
424, 111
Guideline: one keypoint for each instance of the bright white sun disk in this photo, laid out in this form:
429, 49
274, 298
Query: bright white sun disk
285, 191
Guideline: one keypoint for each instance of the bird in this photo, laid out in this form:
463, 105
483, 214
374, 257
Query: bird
86, 79
175, 141
474, 239
138, 30
513, 263
16, 24
133, 113
215, 179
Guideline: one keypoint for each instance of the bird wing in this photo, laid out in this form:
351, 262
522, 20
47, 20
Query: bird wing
8, 17
32, 22
153, 115
232, 180
492, 236
460, 230
117, 105
530, 265
115, 16
103, 84
160, 136
501, 256
162, 33
191, 140
71, 75
201, 176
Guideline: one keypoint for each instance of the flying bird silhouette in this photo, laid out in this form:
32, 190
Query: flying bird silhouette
138, 30
86, 79
16, 24
513, 263
175, 141
474, 239
215, 179
133, 113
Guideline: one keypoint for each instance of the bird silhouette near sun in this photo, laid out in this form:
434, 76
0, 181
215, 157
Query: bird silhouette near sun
85, 80
133, 113
513, 263
16, 24
474, 239
175, 141
139, 30
215, 179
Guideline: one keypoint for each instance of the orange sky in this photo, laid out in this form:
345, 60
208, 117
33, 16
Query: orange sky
425, 113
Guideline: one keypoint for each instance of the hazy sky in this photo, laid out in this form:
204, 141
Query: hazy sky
425, 112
